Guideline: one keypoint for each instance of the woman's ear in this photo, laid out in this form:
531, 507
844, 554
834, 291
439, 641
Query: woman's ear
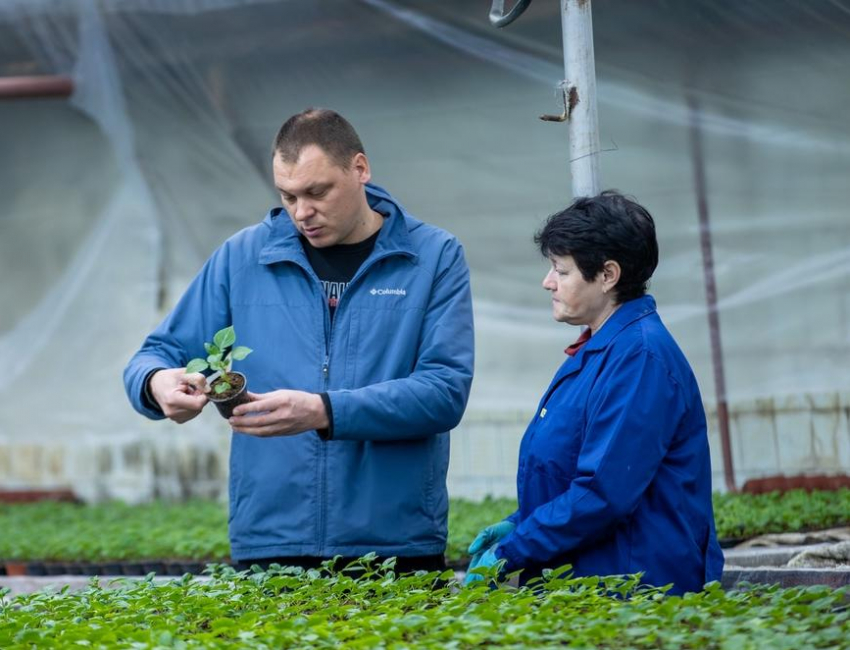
610, 275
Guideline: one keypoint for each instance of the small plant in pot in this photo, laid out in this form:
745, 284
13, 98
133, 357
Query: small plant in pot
228, 388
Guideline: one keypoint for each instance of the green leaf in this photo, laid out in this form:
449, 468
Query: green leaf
225, 338
211, 349
196, 365
221, 387
240, 352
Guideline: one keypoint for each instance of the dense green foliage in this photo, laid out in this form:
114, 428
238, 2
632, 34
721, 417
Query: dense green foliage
318, 609
198, 529
748, 515
114, 531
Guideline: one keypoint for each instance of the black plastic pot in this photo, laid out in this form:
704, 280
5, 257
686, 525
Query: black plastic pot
195, 568
36, 569
226, 405
730, 542
56, 569
132, 569
75, 568
91, 569
154, 566
111, 569
173, 568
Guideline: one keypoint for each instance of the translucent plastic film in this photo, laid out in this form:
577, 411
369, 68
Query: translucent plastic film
111, 200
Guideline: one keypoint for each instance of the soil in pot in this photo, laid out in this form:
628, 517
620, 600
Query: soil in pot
229, 399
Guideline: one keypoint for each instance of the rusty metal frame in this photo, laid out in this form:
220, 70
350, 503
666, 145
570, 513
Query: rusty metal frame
35, 86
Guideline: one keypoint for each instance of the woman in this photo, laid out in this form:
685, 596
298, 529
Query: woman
614, 471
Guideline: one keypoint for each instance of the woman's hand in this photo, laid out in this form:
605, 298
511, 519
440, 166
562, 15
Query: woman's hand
489, 536
484, 560
483, 548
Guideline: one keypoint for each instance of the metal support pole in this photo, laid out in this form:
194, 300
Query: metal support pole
43, 86
580, 93
711, 295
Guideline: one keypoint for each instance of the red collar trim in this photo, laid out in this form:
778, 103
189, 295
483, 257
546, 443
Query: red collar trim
580, 341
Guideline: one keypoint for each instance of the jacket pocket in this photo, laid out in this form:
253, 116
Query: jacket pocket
556, 442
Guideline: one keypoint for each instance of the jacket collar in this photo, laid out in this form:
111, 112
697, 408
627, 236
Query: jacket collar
628, 313
284, 243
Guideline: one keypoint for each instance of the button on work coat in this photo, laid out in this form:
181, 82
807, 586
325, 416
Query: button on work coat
614, 470
396, 363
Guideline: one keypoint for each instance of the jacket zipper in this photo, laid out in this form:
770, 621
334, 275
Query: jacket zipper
323, 447
326, 370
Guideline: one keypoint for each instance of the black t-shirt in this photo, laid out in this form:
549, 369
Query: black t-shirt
336, 265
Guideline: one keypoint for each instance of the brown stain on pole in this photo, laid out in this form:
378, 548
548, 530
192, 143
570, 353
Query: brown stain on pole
572, 101
35, 86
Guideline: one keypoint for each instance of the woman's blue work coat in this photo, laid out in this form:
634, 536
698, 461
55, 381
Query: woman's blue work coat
614, 470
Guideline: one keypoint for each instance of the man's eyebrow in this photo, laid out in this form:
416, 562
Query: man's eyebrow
309, 188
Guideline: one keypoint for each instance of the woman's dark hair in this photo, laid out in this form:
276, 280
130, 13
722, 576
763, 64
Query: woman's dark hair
600, 228
326, 129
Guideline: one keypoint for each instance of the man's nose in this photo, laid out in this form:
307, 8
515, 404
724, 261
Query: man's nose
303, 209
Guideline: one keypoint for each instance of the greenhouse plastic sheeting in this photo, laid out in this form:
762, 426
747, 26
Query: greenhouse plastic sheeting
110, 200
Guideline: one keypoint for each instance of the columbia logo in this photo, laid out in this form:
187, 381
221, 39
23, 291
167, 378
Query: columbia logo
388, 292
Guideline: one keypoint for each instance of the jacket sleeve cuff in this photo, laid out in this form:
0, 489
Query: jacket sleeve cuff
327, 434
147, 397
512, 562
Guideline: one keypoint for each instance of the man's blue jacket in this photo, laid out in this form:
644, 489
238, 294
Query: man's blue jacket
614, 470
396, 363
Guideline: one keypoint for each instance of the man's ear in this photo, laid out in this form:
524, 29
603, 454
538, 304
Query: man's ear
360, 165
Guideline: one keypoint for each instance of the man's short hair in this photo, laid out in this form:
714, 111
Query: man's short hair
326, 129
595, 229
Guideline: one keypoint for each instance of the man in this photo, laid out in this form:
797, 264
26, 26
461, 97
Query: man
360, 321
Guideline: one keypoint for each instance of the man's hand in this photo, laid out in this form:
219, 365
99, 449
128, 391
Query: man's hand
180, 396
280, 413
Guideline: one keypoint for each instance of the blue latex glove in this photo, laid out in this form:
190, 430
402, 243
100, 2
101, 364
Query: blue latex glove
489, 536
482, 560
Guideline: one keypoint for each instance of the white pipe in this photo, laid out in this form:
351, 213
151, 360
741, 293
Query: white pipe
580, 87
